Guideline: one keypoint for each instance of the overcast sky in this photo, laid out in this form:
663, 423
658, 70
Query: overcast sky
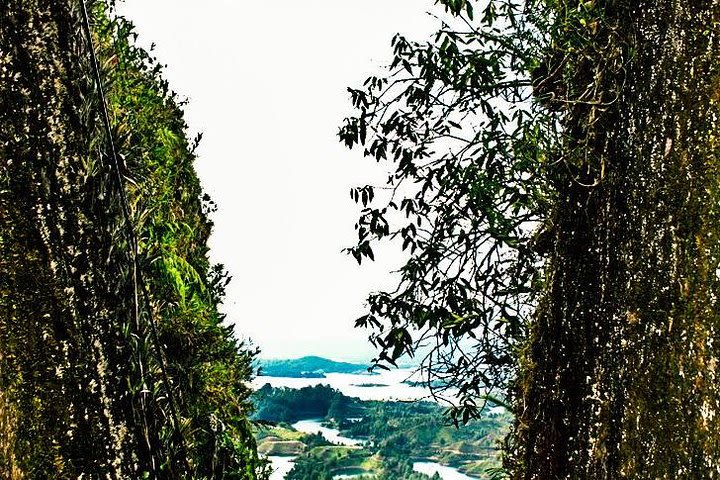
266, 81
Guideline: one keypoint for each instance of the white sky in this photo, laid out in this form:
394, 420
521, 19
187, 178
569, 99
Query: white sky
267, 84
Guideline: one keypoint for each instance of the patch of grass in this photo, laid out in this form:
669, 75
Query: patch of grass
289, 448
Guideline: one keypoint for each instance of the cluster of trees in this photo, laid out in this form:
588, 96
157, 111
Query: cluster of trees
290, 405
419, 430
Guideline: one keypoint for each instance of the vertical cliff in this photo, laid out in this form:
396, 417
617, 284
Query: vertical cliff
114, 362
620, 377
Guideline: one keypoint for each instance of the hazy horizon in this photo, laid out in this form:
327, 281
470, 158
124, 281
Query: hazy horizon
270, 158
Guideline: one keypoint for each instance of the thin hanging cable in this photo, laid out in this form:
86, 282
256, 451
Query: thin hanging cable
138, 282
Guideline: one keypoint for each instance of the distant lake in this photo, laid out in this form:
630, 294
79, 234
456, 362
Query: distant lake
281, 467
385, 385
446, 473
330, 434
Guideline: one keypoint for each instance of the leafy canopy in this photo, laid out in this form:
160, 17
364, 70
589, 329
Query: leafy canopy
455, 122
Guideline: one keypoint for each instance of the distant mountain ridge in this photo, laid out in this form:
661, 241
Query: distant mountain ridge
307, 367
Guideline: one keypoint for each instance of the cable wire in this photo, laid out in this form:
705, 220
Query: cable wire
139, 286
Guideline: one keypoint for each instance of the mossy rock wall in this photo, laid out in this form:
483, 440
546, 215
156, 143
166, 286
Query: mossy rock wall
619, 377
82, 392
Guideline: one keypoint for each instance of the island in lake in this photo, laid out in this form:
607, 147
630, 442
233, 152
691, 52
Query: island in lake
307, 367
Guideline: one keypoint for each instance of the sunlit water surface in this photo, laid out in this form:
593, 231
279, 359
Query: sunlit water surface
281, 467
446, 473
330, 434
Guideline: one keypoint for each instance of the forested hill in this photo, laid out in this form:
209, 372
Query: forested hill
307, 367
114, 362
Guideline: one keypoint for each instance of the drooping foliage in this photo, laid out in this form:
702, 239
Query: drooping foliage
466, 196
114, 363
596, 312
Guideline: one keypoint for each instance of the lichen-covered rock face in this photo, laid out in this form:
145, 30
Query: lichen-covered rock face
62, 367
619, 378
82, 388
